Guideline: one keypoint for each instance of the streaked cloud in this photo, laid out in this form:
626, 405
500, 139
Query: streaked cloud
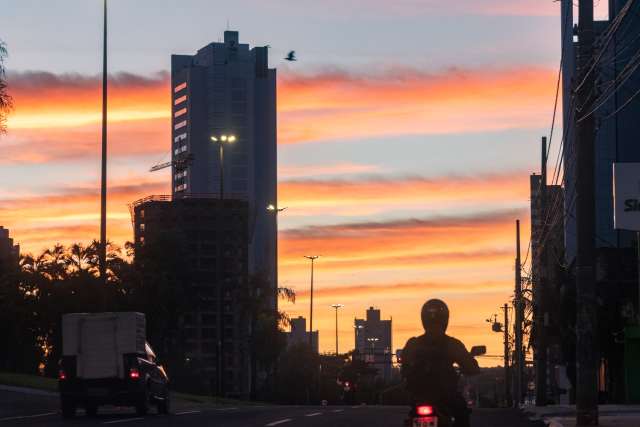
57, 116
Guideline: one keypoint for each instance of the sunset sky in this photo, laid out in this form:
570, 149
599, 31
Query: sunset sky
407, 132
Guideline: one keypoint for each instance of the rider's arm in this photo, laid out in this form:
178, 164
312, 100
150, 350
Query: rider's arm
408, 356
468, 365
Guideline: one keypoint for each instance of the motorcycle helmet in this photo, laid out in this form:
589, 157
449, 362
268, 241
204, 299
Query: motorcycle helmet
435, 316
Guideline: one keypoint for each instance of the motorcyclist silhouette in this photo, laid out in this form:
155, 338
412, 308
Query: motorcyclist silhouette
427, 363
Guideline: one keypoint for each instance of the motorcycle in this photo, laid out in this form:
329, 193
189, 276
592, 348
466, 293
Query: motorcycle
428, 414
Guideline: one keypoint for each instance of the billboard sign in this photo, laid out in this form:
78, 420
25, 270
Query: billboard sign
626, 196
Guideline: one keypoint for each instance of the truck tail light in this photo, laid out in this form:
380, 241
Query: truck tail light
423, 410
134, 374
62, 375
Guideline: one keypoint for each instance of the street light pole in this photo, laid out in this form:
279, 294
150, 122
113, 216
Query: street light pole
312, 258
102, 250
337, 306
276, 212
221, 140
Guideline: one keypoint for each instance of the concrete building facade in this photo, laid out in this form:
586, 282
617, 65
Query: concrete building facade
300, 335
9, 252
213, 236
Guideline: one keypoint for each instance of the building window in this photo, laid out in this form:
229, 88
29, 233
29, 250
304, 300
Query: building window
180, 112
180, 125
181, 187
180, 174
180, 100
179, 87
179, 150
180, 137
142, 227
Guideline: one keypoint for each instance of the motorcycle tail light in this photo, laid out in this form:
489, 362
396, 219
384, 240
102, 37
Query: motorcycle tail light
62, 375
424, 410
134, 374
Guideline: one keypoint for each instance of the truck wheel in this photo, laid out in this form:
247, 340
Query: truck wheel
92, 410
68, 408
164, 405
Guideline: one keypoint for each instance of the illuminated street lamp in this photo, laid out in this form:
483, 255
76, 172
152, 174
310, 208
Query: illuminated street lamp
221, 140
337, 306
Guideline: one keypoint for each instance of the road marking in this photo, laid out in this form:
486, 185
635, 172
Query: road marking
123, 420
275, 423
313, 414
226, 409
188, 412
27, 416
356, 407
337, 410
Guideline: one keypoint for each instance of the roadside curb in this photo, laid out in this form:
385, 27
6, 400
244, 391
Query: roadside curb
26, 390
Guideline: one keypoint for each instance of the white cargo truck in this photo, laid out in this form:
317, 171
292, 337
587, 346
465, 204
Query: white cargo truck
106, 360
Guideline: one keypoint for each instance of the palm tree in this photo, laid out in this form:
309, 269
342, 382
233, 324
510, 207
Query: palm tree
6, 102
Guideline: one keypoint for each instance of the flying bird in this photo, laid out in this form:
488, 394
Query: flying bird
291, 56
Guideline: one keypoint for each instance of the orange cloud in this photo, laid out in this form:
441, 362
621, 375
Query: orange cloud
339, 105
72, 214
57, 116
376, 193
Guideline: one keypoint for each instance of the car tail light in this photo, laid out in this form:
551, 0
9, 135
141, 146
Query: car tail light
134, 374
62, 375
424, 410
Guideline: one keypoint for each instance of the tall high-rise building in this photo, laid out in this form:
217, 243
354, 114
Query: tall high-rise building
228, 89
617, 130
374, 341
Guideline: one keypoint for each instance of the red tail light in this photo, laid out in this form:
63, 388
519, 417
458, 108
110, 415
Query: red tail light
134, 374
424, 410
62, 375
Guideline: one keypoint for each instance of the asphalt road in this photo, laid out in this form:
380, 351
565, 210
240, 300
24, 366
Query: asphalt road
32, 410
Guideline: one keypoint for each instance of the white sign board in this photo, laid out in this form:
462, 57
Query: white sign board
626, 196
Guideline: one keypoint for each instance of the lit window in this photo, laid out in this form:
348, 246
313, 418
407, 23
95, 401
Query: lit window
180, 112
180, 137
180, 149
179, 87
181, 174
142, 227
180, 100
181, 187
180, 125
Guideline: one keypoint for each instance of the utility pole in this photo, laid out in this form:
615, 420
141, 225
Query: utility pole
540, 293
507, 376
312, 258
587, 348
519, 363
102, 250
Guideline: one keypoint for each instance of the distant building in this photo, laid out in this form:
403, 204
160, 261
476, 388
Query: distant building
9, 253
299, 333
227, 88
374, 342
547, 280
213, 235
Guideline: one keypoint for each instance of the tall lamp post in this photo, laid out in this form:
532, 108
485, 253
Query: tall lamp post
337, 307
102, 250
221, 140
312, 258
275, 210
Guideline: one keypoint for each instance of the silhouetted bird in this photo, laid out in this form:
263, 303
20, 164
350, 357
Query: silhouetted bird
291, 56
